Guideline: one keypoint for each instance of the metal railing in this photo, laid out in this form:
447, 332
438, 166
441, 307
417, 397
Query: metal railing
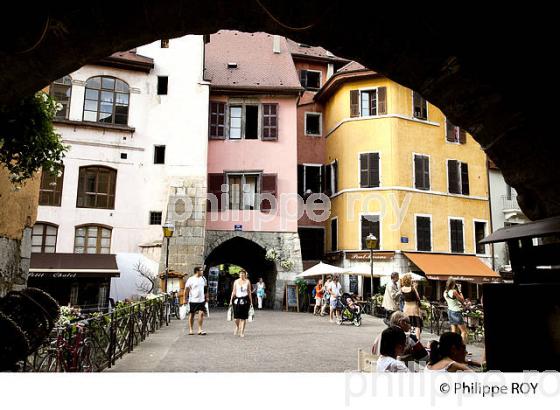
95, 344
510, 202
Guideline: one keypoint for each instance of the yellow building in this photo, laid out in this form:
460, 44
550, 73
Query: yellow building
398, 169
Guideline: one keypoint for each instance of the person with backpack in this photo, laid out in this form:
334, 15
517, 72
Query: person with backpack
318, 295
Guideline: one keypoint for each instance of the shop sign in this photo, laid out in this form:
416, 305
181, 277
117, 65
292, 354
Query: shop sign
364, 256
56, 275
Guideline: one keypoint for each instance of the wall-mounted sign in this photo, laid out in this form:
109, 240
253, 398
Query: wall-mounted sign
404, 239
238, 227
56, 275
364, 256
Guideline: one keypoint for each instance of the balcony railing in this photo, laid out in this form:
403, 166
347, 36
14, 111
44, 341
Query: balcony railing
510, 202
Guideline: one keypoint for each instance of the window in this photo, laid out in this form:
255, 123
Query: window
159, 154
456, 235
106, 100
420, 106
369, 170
454, 133
243, 121
479, 234
309, 179
162, 82
124, 155
310, 80
43, 238
243, 190
365, 103
311, 241
457, 177
370, 224
422, 172
334, 235
312, 123
155, 218
164, 43
217, 120
92, 239
50, 192
424, 233
96, 187
61, 91
330, 183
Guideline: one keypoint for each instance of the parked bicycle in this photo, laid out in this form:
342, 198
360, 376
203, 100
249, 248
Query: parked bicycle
69, 352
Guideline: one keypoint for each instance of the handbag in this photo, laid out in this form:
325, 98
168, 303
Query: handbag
183, 311
230, 314
251, 314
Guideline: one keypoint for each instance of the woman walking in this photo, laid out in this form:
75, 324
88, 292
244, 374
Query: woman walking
260, 292
326, 294
455, 302
412, 304
319, 293
241, 300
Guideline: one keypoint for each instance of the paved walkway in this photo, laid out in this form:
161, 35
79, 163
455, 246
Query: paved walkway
274, 342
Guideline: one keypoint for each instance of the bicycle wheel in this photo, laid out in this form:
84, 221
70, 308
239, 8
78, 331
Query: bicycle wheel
85, 362
49, 364
176, 312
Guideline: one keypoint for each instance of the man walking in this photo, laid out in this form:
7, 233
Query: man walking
196, 290
391, 297
334, 290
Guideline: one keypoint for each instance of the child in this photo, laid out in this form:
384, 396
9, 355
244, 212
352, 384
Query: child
393, 340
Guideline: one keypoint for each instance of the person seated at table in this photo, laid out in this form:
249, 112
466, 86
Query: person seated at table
393, 341
413, 348
449, 354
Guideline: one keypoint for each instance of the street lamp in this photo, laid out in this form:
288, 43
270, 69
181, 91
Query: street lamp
168, 229
371, 243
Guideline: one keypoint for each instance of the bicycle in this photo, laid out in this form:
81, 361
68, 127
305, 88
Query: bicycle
174, 306
70, 353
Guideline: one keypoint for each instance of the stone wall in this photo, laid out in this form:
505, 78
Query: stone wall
186, 208
286, 244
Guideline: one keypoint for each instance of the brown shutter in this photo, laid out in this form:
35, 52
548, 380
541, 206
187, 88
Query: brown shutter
217, 120
354, 103
418, 172
462, 136
374, 170
300, 179
382, 100
268, 186
328, 184
450, 131
426, 173
303, 78
453, 177
270, 122
215, 182
465, 178
364, 171
335, 176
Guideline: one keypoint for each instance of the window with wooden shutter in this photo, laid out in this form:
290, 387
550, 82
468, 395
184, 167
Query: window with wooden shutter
334, 177
479, 234
465, 178
328, 180
382, 101
422, 172
354, 103
453, 177
450, 131
334, 235
300, 179
215, 182
423, 233
456, 235
462, 136
370, 224
420, 106
217, 126
270, 122
269, 187
369, 170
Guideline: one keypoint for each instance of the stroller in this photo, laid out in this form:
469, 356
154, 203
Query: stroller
350, 311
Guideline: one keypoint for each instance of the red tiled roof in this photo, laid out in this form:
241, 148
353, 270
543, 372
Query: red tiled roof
299, 49
352, 66
258, 67
128, 60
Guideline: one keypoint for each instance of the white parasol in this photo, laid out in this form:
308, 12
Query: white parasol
321, 269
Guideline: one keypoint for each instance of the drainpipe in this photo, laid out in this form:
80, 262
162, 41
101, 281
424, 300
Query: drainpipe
490, 205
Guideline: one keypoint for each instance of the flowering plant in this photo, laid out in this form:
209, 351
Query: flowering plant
271, 254
287, 264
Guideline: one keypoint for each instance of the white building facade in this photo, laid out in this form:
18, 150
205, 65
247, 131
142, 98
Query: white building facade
136, 125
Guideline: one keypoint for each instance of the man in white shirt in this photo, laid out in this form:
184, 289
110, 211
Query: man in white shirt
334, 291
196, 292
391, 296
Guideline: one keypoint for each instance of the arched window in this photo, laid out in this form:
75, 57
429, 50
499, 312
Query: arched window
92, 239
50, 192
96, 187
43, 237
106, 100
61, 91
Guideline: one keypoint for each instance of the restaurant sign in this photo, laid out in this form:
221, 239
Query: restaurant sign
55, 275
364, 256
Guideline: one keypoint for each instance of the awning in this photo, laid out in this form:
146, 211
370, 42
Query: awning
460, 267
321, 269
73, 265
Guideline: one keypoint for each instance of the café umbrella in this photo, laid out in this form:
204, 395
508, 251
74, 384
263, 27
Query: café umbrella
321, 269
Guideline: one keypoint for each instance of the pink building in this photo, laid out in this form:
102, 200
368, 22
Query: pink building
252, 160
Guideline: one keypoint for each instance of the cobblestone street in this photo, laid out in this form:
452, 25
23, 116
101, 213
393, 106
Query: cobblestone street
274, 342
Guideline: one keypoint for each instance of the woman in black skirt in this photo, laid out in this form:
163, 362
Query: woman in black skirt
242, 300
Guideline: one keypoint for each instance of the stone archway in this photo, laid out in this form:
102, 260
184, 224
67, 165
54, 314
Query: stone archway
248, 249
469, 65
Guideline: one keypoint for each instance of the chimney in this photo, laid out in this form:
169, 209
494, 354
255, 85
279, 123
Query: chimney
276, 44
